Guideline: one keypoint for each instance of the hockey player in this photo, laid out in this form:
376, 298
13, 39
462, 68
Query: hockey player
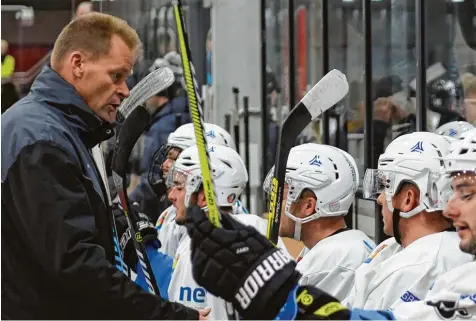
185, 182
170, 233
403, 268
454, 128
238, 267
321, 182
167, 231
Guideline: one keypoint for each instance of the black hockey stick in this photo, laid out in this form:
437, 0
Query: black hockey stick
325, 94
136, 118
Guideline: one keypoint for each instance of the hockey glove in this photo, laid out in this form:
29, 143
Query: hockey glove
240, 265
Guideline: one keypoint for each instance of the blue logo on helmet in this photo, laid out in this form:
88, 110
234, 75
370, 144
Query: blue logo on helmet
315, 161
418, 148
211, 149
211, 134
452, 132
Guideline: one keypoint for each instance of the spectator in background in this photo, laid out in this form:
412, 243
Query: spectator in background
388, 110
84, 8
9, 92
469, 85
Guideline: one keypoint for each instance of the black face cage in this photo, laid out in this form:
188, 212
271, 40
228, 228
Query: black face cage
156, 175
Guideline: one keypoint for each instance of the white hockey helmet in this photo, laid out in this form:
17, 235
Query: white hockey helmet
330, 173
228, 172
413, 158
184, 136
454, 128
462, 154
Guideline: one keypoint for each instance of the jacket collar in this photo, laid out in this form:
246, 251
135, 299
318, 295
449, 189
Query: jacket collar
54, 90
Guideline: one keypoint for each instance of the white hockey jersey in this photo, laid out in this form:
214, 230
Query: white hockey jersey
453, 296
185, 290
393, 275
330, 265
170, 233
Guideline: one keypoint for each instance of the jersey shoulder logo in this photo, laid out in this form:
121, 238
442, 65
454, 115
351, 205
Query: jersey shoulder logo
315, 161
161, 220
177, 258
375, 253
417, 148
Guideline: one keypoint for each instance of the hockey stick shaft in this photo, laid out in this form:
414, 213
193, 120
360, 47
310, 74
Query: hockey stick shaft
325, 94
196, 113
130, 132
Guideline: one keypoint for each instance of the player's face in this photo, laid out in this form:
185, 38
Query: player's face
177, 195
286, 227
387, 215
461, 208
172, 155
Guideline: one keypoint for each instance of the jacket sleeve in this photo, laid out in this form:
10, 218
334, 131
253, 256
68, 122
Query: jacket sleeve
55, 216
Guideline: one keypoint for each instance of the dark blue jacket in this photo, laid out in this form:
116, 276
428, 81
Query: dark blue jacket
59, 249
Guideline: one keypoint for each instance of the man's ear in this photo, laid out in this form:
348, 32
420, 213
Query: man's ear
76, 60
409, 199
201, 200
309, 206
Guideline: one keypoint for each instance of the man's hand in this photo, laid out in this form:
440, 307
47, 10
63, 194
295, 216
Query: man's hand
203, 313
240, 265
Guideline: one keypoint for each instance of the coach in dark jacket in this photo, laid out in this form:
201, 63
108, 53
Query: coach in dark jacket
60, 256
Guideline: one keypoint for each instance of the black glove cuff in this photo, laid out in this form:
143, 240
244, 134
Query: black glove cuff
265, 288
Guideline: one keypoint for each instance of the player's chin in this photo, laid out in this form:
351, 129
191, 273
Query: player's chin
180, 220
468, 244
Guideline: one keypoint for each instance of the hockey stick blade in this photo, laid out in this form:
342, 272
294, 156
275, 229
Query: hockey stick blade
155, 82
325, 94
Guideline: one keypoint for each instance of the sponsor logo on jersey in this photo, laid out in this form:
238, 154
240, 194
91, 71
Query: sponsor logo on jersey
449, 310
315, 161
375, 253
472, 297
263, 273
417, 148
188, 294
409, 297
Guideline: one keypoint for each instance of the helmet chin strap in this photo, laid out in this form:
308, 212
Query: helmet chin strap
298, 222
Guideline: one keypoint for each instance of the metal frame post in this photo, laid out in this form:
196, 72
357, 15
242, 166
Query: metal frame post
421, 61
325, 65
